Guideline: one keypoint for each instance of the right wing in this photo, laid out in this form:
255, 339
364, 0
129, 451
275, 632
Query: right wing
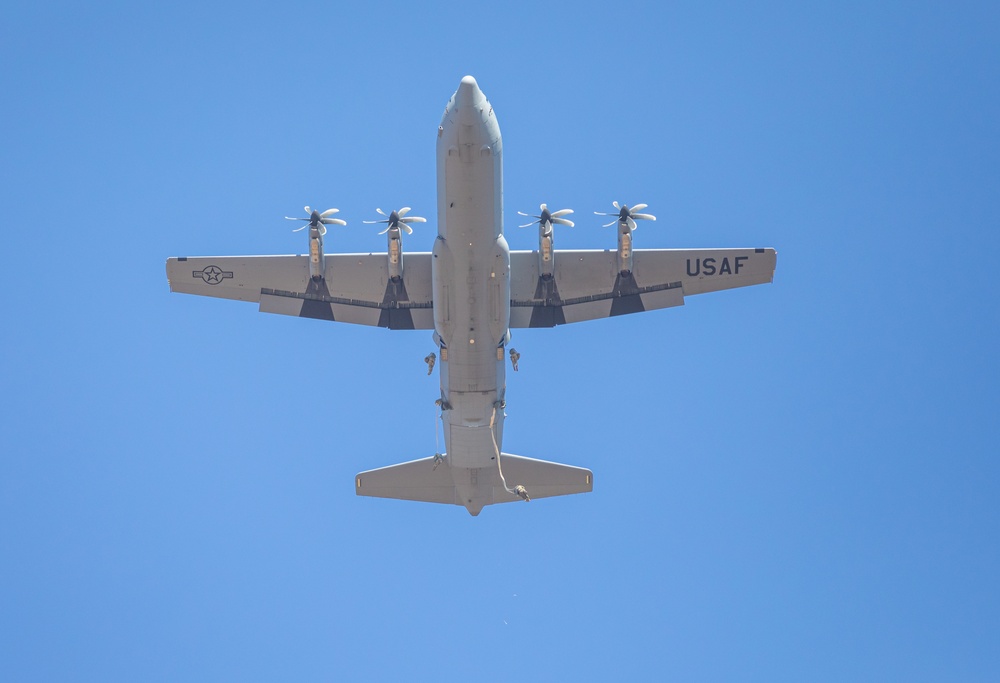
356, 288
587, 285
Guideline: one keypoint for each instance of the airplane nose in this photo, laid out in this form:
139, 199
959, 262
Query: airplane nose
468, 93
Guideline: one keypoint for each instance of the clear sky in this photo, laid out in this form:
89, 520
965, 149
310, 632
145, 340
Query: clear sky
796, 481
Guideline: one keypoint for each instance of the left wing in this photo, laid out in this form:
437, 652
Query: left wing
356, 288
587, 285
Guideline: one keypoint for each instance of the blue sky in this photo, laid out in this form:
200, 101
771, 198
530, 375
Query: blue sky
795, 481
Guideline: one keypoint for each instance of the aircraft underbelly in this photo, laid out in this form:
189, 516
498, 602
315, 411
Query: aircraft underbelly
471, 280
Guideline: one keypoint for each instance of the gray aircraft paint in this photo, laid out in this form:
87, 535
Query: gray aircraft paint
471, 290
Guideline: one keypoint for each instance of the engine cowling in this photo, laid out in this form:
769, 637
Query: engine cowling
317, 261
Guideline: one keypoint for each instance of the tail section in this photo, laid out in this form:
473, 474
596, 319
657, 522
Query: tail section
433, 480
541, 478
428, 480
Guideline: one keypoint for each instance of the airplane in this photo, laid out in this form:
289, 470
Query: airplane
471, 290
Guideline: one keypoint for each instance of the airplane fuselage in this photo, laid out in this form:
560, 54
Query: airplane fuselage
471, 283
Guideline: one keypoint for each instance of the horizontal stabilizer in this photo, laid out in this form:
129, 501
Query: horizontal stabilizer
541, 478
434, 481
414, 480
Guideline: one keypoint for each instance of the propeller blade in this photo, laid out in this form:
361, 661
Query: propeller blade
322, 230
386, 230
308, 210
329, 212
639, 207
382, 213
402, 212
373, 222
644, 216
615, 204
561, 212
521, 213
289, 218
563, 221
527, 225
608, 225
631, 224
333, 221
408, 229
300, 229
413, 219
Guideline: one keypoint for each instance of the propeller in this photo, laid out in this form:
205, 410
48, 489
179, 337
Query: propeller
318, 220
398, 219
627, 215
549, 217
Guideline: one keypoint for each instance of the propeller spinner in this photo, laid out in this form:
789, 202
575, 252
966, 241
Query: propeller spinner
547, 217
627, 215
398, 219
318, 220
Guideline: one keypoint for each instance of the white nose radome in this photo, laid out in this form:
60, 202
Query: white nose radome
468, 93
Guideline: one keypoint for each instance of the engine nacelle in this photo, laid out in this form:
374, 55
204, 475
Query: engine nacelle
395, 252
317, 262
546, 220
624, 247
546, 260
626, 226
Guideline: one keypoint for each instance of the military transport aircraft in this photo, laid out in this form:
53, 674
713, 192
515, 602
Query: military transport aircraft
471, 290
